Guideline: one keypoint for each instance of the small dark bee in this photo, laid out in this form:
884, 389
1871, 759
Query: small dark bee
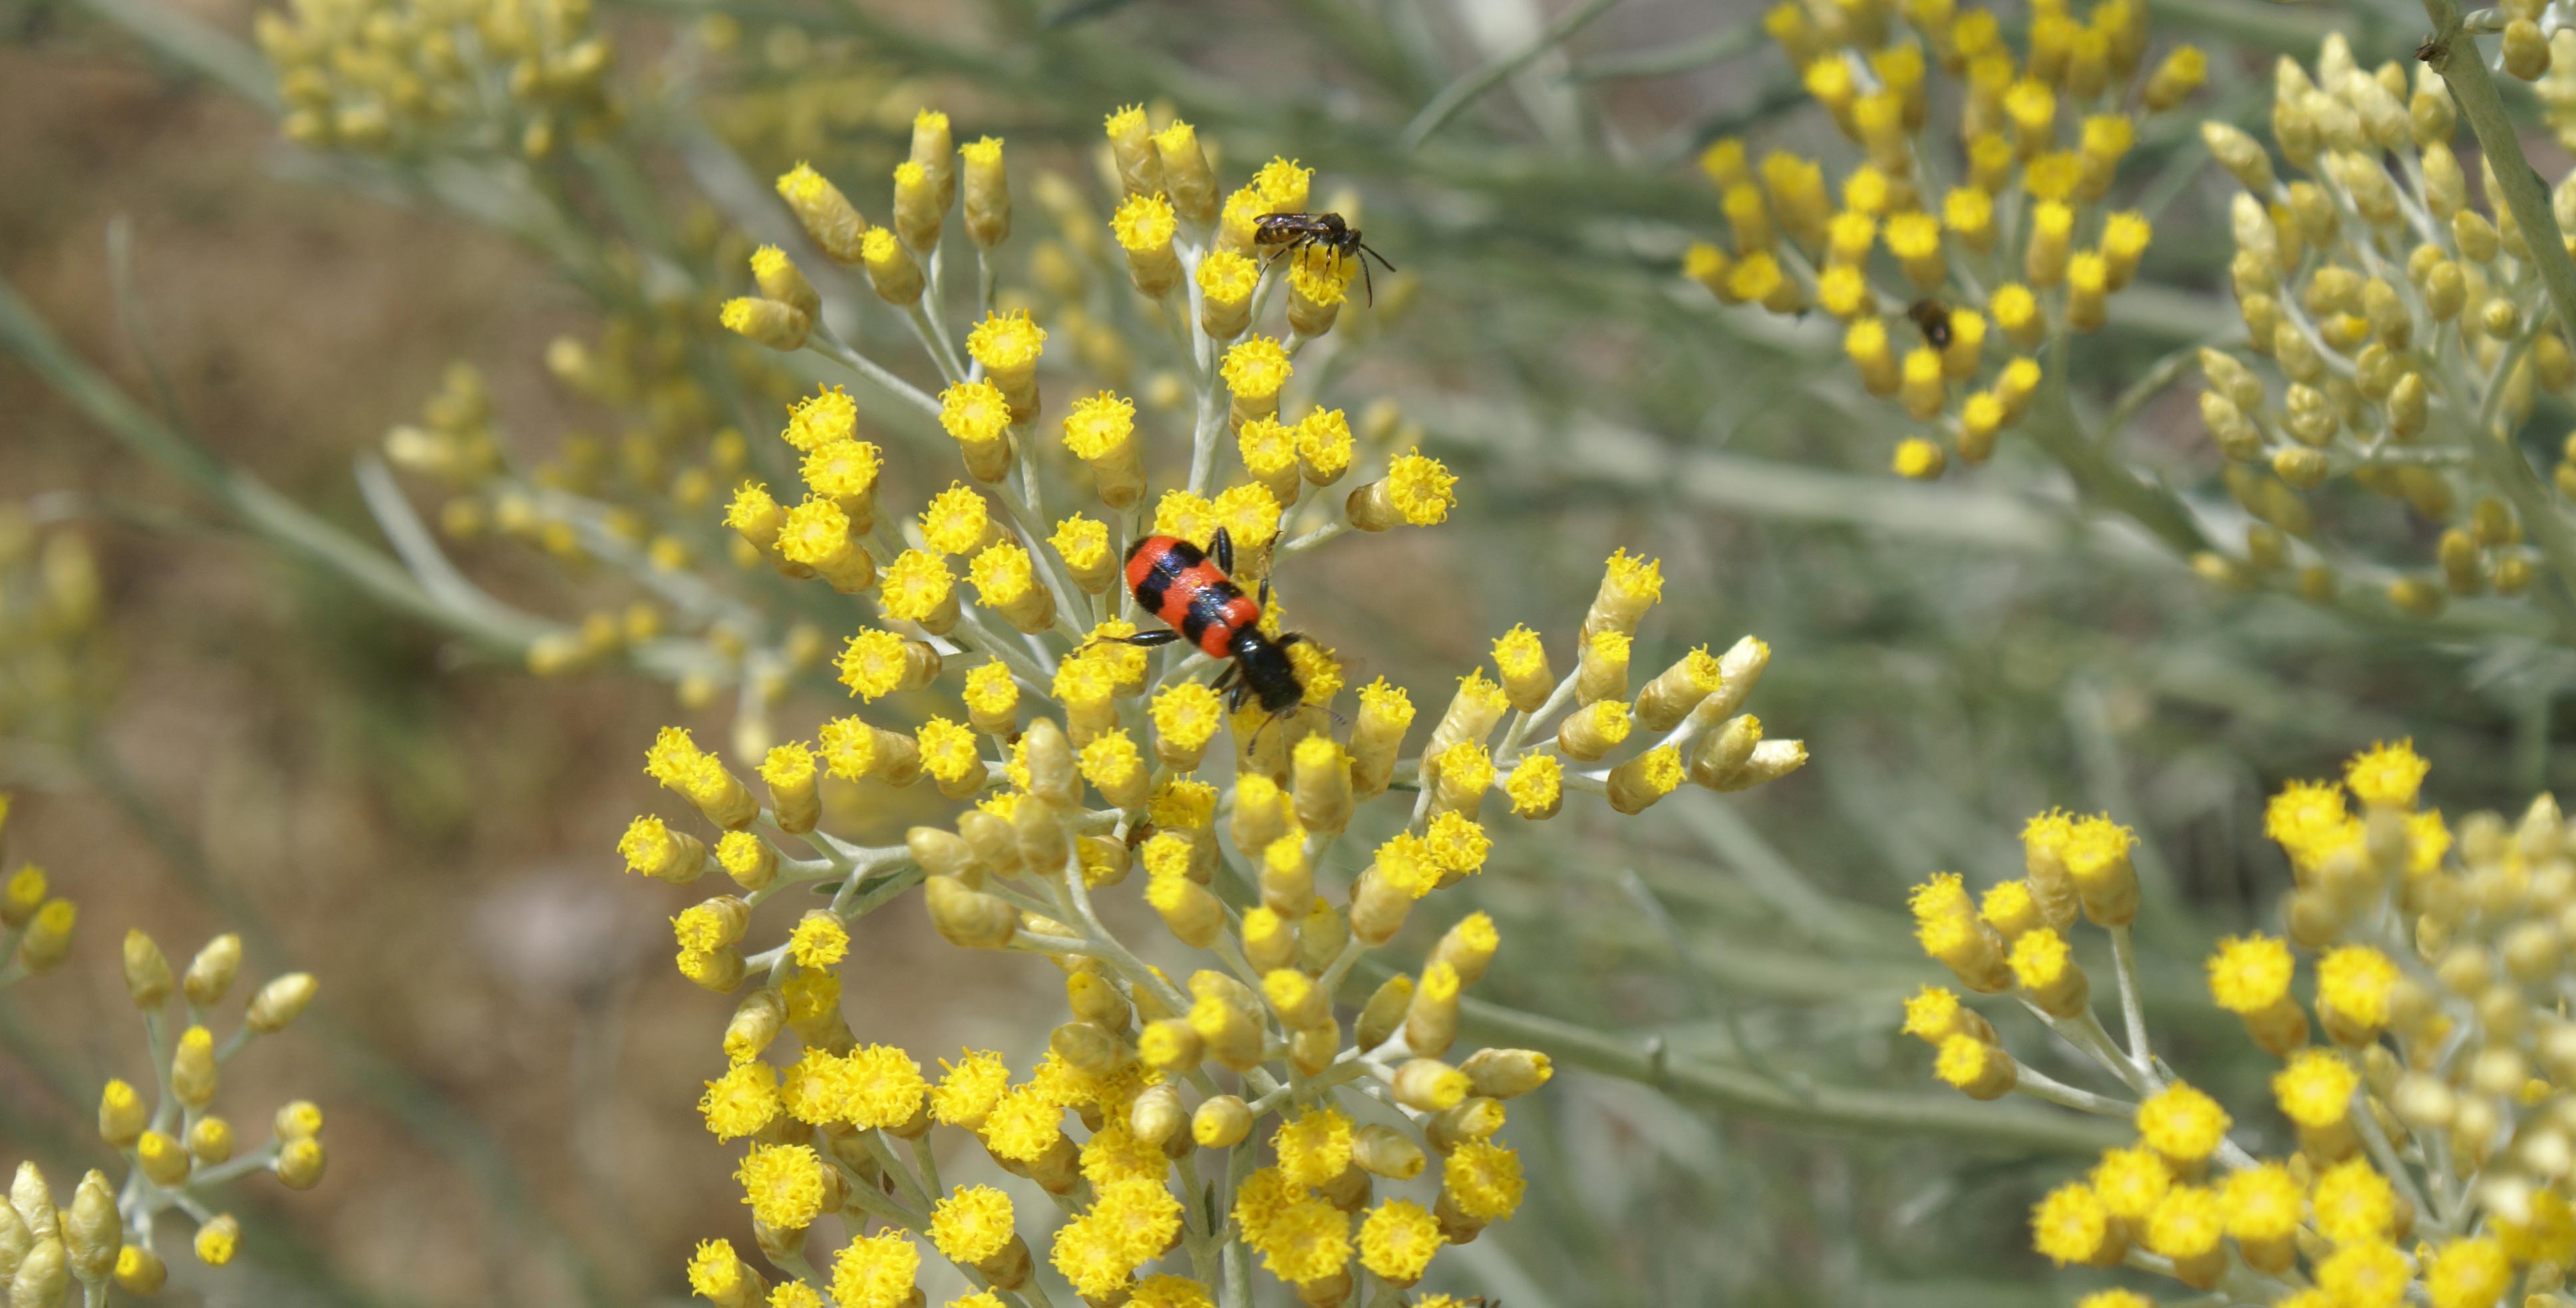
1291, 232
1934, 318
1199, 602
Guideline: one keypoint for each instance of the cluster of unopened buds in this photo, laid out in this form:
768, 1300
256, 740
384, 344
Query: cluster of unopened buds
178, 1151
2398, 334
35, 922
400, 76
2023, 247
57, 666
2427, 1144
1212, 1101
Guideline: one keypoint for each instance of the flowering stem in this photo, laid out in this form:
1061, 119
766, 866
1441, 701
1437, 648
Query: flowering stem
822, 341
2453, 53
1077, 895
2056, 1092
2124, 963
2381, 1152
257, 1160
1314, 538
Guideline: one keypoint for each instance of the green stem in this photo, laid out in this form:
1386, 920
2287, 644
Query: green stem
2454, 54
1830, 1108
1459, 94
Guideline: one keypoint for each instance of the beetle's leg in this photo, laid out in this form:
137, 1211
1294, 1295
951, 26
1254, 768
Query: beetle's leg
1142, 639
1221, 548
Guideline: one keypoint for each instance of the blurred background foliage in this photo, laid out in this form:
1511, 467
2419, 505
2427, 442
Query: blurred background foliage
371, 789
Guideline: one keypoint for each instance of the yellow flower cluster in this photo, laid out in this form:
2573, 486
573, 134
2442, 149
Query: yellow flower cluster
178, 1151
2396, 331
2019, 247
2424, 1076
56, 667
404, 76
1352, 1139
35, 922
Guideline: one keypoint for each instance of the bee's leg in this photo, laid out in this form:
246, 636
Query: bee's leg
1221, 548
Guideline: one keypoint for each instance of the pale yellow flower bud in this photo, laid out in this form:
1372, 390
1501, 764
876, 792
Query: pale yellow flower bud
280, 1002
210, 973
147, 971
92, 1230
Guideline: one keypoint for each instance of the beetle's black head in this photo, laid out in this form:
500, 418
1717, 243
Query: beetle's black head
1266, 671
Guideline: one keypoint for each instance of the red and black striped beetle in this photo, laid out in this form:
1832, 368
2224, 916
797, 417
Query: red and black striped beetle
1197, 599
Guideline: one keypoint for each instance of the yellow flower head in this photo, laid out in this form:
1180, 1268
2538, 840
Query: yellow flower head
1249, 512
1187, 714
841, 469
2387, 774
716, 1271
1181, 802
1022, 1126
2353, 1204
1143, 223
1188, 516
2070, 1225
875, 1271
783, 1184
1484, 1179
1535, 785
1003, 342
2250, 974
1321, 274
881, 1086
1227, 277
2468, 1273
2261, 1203
2131, 1181
874, 663
1314, 1147
1083, 543
1283, 184
1099, 425
1308, 1240
1421, 488
2181, 1122
819, 419
741, 1101
2354, 981
1397, 1240
2308, 820
915, 585
1002, 574
974, 412
1324, 442
2368, 1274
1164, 1290
1933, 1012
955, 520
2315, 1088
1404, 865
2187, 1223
1455, 841
1255, 367
972, 1224
819, 940
2040, 958
969, 1087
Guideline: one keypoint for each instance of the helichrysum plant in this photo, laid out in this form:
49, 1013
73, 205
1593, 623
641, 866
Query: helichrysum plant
2396, 338
179, 1153
1959, 245
466, 76
1208, 1107
2413, 1006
